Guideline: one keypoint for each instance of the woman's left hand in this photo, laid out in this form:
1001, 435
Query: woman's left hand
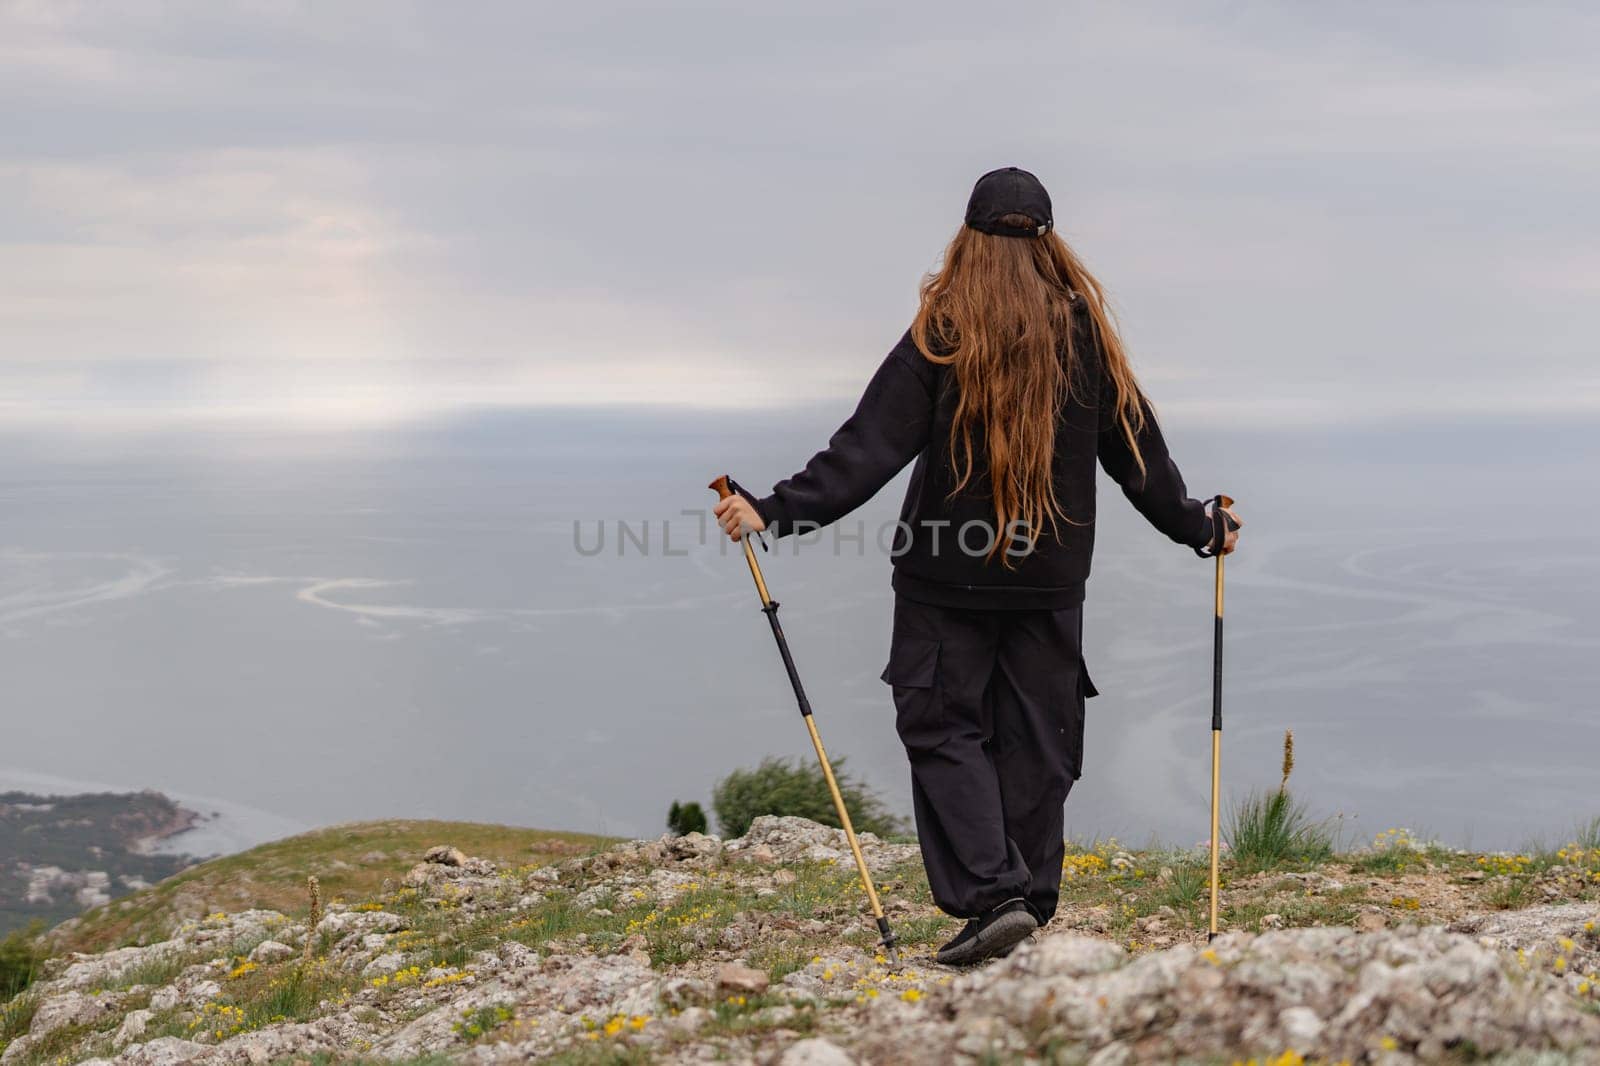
1231, 541
737, 516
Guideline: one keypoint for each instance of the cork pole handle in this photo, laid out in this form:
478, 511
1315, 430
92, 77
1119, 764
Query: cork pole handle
723, 490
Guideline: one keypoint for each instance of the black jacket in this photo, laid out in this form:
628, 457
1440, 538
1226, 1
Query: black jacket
941, 544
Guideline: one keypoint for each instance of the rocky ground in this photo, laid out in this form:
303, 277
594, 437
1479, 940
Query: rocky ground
755, 950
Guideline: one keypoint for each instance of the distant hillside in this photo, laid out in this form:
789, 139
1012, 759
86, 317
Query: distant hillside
61, 854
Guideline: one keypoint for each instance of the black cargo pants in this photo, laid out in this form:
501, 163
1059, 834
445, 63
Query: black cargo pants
990, 706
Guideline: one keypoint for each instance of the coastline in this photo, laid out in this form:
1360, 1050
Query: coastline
209, 828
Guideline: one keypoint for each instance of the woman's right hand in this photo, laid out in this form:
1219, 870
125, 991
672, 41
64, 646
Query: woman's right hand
1232, 540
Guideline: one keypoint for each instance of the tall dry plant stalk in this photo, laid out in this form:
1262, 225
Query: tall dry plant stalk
1288, 759
315, 891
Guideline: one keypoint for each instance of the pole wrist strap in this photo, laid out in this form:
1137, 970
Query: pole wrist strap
1221, 526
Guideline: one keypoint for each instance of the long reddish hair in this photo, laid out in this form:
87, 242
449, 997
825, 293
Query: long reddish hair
999, 312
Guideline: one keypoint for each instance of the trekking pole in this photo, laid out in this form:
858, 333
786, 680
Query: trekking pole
1221, 524
724, 487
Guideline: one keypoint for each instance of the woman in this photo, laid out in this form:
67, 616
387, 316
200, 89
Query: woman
1008, 386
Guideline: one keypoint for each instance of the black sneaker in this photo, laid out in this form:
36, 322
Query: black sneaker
996, 933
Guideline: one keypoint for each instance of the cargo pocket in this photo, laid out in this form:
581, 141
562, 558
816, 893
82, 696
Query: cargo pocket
912, 662
1086, 689
913, 672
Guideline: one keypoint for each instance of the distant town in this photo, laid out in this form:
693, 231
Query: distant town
60, 855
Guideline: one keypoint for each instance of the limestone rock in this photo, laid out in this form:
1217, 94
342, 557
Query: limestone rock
1513, 986
270, 951
773, 839
341, 924
72, 1008
693, 846
816, 1052
445, 855
132, 1028
96, 971
386, 963
736, 979
1328, 993
164, 1051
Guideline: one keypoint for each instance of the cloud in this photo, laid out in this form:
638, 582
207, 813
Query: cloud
377, 211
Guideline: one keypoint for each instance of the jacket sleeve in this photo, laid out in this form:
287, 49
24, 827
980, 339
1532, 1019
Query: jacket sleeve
1159, 493
889, 428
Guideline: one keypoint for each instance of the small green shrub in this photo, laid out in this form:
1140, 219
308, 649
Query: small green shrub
797, 788
685, 818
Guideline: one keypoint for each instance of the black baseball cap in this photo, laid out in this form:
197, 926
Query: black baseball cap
1009, 191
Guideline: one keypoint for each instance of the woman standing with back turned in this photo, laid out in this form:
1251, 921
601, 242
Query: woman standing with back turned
1008, 387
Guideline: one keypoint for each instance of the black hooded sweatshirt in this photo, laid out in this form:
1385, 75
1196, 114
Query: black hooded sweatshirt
940, 549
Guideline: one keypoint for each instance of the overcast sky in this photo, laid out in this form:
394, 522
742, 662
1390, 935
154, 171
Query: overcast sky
356, 212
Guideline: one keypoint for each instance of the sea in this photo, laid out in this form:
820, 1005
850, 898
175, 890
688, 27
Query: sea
522, 616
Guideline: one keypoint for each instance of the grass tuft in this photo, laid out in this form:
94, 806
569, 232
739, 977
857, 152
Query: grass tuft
19, 960
1185, 889
1272, 830
16, 1015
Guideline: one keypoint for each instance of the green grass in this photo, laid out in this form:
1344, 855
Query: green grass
740, 1015
1390, 862
1269, 830
477, 1024
15, 1016
1108, 893
1509, 893
159, 970
1587, 834
328, 1058
1185, 890
80, 1040
19, 960
1296, 909
352, 862
600, 1054
293, 996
